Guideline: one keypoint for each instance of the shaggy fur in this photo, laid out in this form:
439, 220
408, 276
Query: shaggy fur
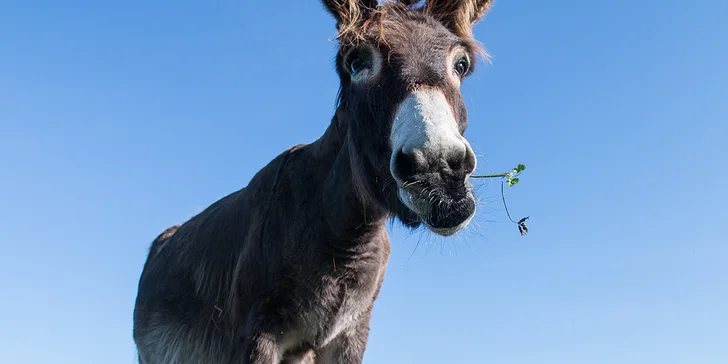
458, 15
287, 269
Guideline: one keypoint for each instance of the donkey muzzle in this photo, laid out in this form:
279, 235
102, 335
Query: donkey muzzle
432, 162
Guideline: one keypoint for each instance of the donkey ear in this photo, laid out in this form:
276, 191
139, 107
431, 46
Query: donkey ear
348, 13
458, 15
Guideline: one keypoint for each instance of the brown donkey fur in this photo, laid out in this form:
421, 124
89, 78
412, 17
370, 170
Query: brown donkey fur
287, 269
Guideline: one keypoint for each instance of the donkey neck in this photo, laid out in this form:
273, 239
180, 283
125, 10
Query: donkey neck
349, 212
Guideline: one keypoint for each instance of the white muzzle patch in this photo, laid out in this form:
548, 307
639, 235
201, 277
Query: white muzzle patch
425, 126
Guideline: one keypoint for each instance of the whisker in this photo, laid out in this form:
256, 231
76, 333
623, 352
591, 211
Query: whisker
413, 250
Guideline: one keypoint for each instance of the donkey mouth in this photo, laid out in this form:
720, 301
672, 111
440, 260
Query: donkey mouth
440, 212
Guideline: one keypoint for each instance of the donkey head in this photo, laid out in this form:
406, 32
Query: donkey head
401, 68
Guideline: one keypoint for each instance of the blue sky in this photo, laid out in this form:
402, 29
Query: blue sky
119, 119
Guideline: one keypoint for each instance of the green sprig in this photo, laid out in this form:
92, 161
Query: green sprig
511, 179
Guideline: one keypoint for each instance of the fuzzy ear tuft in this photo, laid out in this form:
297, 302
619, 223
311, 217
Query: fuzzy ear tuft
349, 13
458, 15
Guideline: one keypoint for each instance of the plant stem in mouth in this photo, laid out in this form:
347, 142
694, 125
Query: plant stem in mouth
511, 179
491, 175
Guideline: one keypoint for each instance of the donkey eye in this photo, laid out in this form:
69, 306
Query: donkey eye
355, 65
358, 60
462, 66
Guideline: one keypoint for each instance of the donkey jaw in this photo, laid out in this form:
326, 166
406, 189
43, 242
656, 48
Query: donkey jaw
442, 215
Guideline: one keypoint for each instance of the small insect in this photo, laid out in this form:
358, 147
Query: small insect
522, 228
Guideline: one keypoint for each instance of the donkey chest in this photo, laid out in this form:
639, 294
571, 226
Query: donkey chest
354, 300
344, 298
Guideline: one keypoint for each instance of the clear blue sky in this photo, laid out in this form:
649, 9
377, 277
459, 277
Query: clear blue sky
119, 119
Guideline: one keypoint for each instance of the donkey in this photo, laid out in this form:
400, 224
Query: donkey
287, 269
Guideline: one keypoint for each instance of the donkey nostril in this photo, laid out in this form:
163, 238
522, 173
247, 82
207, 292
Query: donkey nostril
408, 165
461, 161
456, 158
456, 162
404, 165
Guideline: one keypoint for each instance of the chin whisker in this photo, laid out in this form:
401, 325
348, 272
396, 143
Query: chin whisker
414, 250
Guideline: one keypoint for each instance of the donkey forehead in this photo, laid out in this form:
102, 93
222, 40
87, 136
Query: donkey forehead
418, 37
421, 55
422, 46
414, 45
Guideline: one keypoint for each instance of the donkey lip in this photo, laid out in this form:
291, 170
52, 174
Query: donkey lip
452, 230
443, 219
